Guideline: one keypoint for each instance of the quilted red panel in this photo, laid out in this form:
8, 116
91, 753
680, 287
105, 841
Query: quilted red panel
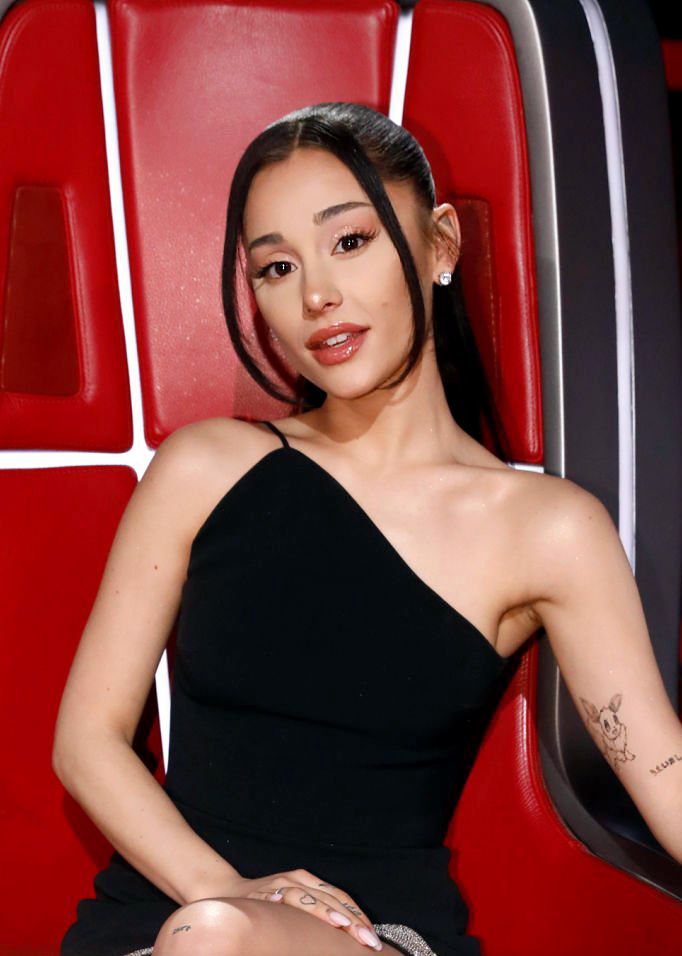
60, 522
194, 85
463, 103
64, 379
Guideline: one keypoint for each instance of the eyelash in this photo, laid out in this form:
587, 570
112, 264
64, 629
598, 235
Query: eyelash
357, 234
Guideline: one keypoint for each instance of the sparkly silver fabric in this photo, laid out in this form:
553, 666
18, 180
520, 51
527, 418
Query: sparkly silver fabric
405, 937
408, 939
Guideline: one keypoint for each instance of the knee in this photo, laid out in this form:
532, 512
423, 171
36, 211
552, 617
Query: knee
211, 927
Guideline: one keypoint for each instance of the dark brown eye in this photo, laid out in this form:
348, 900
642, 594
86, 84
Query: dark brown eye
264, 271
367, 236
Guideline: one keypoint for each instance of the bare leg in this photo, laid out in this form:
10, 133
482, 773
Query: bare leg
246, 927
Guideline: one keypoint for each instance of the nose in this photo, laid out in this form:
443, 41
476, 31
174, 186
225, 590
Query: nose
319, 295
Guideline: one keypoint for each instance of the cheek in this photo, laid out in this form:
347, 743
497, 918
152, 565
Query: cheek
278, 308
380, 284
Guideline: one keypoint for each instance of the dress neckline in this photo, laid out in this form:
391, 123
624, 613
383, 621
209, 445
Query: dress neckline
285, 448
389, 547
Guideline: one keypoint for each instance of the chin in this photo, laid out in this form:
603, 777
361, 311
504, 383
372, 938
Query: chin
353, 379
356, 389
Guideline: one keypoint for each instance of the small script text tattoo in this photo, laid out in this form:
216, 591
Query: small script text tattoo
614, 733
668, 762
353, 909
179, 929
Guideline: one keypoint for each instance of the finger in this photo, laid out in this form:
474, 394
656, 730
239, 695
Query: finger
341, 898
264, 895
324, 907
351, 907
347, 901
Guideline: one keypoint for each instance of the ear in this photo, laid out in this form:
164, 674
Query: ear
447, 239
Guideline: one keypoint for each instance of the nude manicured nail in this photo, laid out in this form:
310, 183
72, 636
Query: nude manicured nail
367, 936
339, 918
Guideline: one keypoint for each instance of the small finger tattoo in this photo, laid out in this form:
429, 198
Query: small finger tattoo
308, 899
179, 929
612, 730
353, 909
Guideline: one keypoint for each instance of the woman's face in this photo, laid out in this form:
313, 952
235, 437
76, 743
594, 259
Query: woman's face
307, 277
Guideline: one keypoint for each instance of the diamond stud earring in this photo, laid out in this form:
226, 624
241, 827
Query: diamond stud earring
445, 278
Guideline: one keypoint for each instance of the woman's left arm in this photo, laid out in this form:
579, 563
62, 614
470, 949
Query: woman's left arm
590, 607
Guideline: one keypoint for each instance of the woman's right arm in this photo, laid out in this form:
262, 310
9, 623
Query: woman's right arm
113, 670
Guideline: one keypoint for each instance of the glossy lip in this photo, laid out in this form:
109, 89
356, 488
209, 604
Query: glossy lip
315, 340
335, 355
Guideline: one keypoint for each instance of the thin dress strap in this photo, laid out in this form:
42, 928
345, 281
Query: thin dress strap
276, 430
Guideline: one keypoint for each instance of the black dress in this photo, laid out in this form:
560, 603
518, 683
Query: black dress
326, 707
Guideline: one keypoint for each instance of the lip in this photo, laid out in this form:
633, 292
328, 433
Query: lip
336, 354
315, 340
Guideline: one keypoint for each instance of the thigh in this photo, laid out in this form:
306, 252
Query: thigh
247, 927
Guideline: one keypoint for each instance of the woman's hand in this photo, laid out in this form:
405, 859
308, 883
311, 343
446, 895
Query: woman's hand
308, 892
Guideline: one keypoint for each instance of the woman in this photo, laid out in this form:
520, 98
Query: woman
339, 648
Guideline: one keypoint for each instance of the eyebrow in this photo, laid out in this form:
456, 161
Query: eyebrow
318, 218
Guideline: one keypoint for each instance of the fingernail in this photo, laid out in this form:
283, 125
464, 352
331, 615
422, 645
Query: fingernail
367, 936
276, 896
339, 918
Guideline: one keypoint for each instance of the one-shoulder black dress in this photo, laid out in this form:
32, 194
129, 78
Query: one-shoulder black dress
326, 707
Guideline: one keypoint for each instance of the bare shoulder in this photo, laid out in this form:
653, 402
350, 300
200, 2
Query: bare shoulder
199, 462
550, 497
192, 447
561, 524
560, 511
210, 432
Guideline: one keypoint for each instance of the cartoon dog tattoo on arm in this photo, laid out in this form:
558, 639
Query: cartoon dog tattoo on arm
614, 734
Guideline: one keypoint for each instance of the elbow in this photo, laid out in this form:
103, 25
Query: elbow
61, 760
63, 742
70, 755
75, 752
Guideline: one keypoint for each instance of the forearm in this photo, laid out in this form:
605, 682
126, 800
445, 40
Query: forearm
139, 819
665, 819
